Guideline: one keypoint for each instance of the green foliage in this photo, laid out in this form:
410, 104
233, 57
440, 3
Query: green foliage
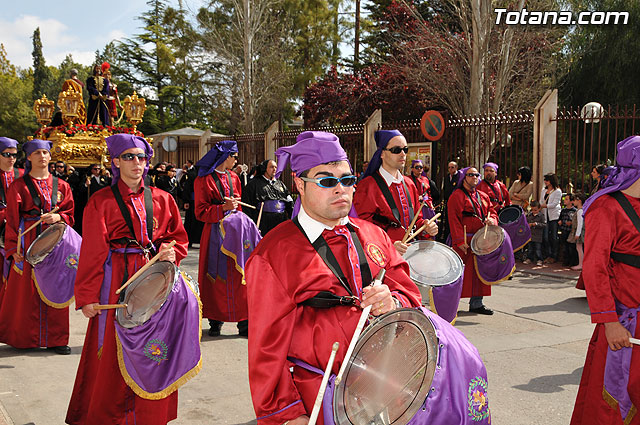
41, 73
17, 119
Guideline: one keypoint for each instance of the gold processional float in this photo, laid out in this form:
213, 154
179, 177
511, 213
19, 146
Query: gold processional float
79, 144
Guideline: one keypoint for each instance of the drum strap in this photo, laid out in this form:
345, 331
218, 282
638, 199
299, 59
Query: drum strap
323, 300
498, 194
628, 259
3, 197
382, 184
216, 178
480, 214
35, 196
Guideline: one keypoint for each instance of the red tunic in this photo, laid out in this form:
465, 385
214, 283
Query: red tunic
280, 327
459, 202
607, 229
100, 394
497, 192
25, 320
368, 201
224, 301
6, 178
424, 188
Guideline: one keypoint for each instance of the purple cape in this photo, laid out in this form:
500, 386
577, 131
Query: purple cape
216, 156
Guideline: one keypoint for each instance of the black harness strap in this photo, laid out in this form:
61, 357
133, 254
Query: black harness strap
382, 184
35, 196
498, 197
628, 259
216, 178
326, 299
3, 197
479, 214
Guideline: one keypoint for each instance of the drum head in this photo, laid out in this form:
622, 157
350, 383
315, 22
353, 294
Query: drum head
390, 372
433, 263
481, 245
145, 295
44, 244
509, 214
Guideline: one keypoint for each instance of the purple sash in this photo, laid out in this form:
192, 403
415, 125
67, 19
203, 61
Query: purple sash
161, 355
497, 266
273, 206
55, 275
444, 300
428, 213
327, 399
518, 230
618, 363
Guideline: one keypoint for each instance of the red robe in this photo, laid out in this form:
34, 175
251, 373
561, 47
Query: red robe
607, 229
100, 394
224, 301
25, 320
459, 202
369, 200
497, 192
424, 188
6, 178
280, 327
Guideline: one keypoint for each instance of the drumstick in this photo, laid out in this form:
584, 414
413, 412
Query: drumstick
363, 318
634, 341
241, 203
108, 306
36, 223
486, 227
424, 226
465, 234
144, 268
259, 215
415, 218
323, 385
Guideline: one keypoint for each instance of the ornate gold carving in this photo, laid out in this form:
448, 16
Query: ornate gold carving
43, 108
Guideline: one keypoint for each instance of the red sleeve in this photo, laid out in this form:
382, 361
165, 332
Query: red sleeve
487, 206
363, 201
171, 227
66, 206
455, 206
207, 200
416, 206
14, 204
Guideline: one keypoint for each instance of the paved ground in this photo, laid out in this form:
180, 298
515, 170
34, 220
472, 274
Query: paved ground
533, 347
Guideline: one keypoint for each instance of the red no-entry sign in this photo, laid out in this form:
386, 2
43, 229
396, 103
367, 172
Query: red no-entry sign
432, 125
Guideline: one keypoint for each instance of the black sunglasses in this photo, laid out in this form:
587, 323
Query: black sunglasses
418, 167
473, 174
130, 156
9, 154
329, 182
397, 149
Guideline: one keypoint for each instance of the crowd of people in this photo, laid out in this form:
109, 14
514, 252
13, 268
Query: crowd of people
293, 274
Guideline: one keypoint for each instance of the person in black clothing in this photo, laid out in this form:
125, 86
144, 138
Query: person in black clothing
98, 88
266, 189
435, 193
167, 181
192, 225
449, 184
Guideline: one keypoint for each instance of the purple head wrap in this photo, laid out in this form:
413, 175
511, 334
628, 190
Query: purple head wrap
216, 156
492, 165
461, 175
382, 140
119, 143
31, 146
312, 148
6, 143
416, 161
624, 174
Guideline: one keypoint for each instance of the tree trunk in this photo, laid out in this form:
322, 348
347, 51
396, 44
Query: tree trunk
248, 74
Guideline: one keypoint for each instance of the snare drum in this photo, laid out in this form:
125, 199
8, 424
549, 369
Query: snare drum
513, 220
494, 260
54, 257
158, 333
438, 271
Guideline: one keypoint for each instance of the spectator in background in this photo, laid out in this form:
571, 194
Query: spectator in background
596, 176
435, 193
522, 189
537, 224
580, 199
449, 184
191, 224
567, 216
167, 182
550, 198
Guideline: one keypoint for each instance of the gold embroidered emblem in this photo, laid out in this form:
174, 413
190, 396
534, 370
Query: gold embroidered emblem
376, 254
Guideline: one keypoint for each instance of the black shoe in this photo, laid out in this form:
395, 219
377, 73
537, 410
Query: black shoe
62, 349
481, 310
244, 332
214, 331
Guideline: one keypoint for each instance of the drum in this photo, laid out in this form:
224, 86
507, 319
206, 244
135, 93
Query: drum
54, 257
494, 260
390, 372
438, 271
514, 221
158, 333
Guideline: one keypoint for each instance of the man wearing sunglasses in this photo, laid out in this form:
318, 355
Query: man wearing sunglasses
298, 306
385, 196
424, 188
27, 318
494, 188
470, 209
123, 225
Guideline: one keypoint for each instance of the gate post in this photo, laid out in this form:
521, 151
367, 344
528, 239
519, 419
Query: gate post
202, 143
374, 123
544, 139
270, 141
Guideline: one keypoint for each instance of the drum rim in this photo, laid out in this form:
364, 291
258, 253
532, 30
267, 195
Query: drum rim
480, 233
456, 256
120, 312
44, 232
510, 207
421, 321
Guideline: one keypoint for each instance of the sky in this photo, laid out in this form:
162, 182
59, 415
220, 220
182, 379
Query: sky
67, 27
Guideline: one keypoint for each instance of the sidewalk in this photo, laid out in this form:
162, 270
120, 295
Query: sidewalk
556, 270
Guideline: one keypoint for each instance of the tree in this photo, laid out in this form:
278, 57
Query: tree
17, 119
41, 73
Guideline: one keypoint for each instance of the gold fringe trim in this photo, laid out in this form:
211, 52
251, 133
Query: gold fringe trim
475, 263
231, 254
16, 269
613, 403
432, 306
522, 246
630, 415
174, 385
45, 299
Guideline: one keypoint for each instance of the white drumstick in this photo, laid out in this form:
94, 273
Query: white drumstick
363, 318
634, 341
323, 385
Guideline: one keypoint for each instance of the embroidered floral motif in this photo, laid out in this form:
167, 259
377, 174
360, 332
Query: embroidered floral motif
503, 259
71, 261
521, 230
156, 350
155, 224
246, 245
478, 399
375, 254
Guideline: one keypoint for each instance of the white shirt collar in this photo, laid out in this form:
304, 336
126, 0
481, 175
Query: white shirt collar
269, 180
398, 178
221, 172
314, 228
